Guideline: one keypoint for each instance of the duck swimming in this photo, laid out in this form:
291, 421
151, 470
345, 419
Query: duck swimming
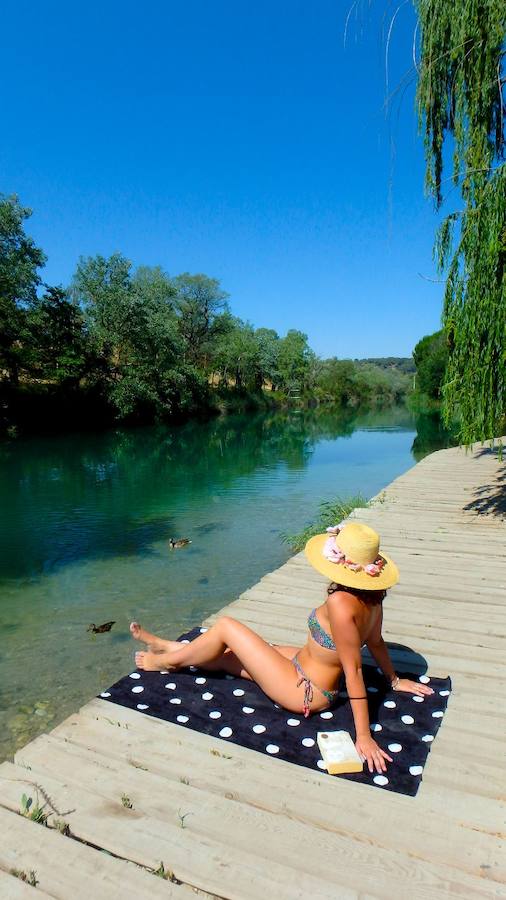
99, 629
182, 542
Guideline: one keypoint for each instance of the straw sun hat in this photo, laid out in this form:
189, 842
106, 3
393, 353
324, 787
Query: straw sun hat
349, 555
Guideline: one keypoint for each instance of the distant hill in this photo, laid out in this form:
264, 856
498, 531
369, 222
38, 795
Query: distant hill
405, 364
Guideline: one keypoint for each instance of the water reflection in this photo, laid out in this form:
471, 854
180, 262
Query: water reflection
113, 494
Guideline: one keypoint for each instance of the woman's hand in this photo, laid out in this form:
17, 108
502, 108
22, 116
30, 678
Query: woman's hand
413, 687
375, 757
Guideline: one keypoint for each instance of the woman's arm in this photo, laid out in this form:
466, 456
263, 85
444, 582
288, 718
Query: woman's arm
347, 640
379, 650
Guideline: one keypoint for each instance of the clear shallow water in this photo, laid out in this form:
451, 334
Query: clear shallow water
85, 522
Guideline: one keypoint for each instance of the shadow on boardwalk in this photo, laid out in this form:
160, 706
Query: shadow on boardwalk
490, 498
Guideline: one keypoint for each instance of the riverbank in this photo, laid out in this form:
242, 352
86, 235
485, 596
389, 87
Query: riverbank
246, 818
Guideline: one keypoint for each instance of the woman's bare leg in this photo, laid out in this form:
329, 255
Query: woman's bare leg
270, 669
154, 642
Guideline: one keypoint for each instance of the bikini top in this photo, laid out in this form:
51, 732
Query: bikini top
318, 633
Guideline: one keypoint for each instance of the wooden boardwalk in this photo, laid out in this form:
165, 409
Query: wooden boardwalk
256, 827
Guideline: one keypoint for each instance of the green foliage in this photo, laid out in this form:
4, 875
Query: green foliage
32, 811
166, 874
403, 364
330, 512
431, 357
139, 345
20, 260
29, 877
461, 78
57, 342
353, 383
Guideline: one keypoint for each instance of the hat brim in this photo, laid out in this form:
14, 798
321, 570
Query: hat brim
388, 576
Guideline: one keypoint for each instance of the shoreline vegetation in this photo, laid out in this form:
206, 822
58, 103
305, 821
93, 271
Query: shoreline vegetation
330, 512
135, 346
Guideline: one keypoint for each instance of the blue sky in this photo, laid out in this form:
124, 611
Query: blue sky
243, 140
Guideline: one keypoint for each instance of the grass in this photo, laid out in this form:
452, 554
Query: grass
166, 874
34, 812
29, 877
330, 512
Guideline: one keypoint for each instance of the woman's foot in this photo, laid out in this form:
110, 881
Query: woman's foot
152, 662
155, 643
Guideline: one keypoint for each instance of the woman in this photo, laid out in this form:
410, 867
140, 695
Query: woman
307, 679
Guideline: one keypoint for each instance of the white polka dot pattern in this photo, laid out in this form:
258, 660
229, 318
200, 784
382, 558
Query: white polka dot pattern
210, 706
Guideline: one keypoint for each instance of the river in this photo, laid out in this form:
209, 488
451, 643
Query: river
86, 520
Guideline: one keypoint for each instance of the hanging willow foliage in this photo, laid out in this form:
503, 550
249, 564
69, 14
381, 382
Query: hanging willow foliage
460, 83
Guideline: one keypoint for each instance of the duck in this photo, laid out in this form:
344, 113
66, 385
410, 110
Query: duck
182, 542
99, 629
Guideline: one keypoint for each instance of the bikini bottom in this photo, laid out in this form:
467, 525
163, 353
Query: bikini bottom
331, 696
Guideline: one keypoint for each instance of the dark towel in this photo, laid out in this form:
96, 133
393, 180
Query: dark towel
237, 710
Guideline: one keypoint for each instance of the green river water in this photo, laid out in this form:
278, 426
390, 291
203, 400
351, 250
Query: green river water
85, 521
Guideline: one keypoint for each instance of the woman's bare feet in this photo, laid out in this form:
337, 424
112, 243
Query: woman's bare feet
155, 643
152, 662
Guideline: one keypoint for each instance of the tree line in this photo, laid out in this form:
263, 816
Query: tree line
138, 345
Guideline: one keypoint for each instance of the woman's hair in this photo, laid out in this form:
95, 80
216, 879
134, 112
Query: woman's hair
373, 598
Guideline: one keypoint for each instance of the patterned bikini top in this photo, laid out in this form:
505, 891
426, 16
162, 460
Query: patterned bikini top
318, 633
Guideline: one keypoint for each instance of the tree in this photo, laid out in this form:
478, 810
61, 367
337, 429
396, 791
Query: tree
431, 357
58, 340
460, 84
294, 361
20, 260
199, 302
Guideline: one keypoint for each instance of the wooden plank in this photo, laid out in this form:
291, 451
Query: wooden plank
242, 827
176, 753
194, 854
12, 888
67, 868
